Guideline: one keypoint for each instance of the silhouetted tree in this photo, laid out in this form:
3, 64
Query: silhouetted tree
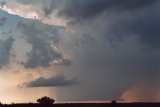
114, 102
1, 103
45, 100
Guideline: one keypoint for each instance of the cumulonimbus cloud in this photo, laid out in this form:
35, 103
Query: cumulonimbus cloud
114, 44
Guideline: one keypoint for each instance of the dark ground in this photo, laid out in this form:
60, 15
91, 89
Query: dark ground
86, 105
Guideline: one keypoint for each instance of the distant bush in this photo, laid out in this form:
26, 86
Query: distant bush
1, 103
113, 102
45, 100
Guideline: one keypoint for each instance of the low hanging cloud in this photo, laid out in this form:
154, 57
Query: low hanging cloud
44, 43
55, 81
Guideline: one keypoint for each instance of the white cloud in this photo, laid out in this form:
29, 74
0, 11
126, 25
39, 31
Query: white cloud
27, 11
32, 11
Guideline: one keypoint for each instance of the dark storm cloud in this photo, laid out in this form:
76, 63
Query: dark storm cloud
143, 24
106, 72
5, 48
55, 81
147, 28
122, 49
3, 20
42, 39
83, 9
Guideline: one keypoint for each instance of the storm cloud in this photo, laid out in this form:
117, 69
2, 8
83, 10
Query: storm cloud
43, 41
55, 81
143, 24
82, 9
116, 49
142, 16
114, 45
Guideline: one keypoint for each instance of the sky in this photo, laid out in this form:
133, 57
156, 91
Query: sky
80, 50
